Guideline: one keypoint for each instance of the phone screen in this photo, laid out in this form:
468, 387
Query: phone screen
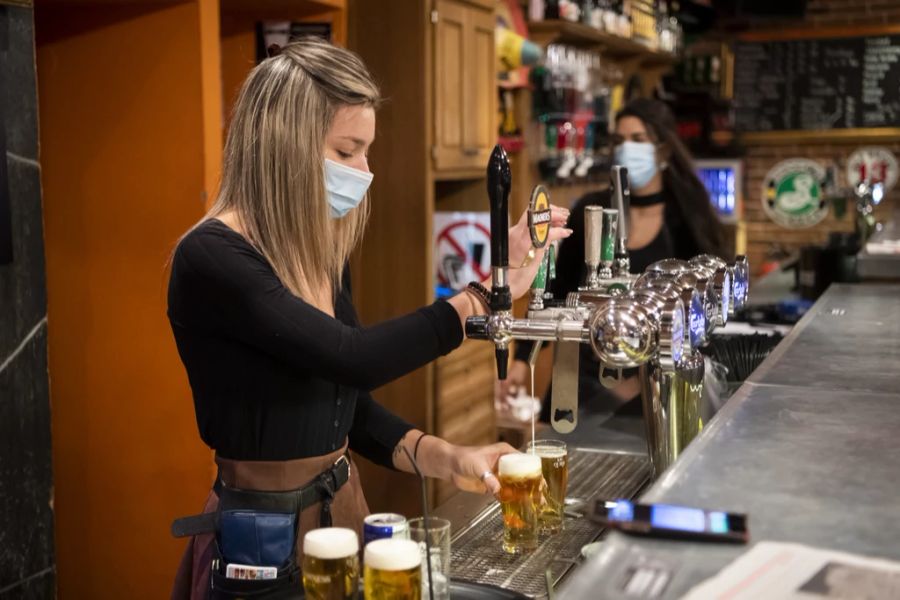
676, 518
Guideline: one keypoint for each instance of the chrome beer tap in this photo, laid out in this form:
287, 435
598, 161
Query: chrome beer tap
606, 257
655, 322
621, 332
672, 397
670, 390
868, 195
738, 276
621, 196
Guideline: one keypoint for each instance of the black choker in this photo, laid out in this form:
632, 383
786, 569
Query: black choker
649, 200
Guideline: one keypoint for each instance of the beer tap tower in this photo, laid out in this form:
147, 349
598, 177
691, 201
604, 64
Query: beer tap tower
656, 322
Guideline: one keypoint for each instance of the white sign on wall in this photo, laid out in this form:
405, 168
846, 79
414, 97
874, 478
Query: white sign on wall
462, 248
872, 164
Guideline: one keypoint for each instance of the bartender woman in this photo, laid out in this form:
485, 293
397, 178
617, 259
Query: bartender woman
260, 305
670, 215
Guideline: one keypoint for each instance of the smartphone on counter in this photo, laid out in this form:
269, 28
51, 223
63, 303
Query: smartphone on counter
671, 521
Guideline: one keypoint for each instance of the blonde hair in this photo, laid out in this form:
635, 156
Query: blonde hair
273, 173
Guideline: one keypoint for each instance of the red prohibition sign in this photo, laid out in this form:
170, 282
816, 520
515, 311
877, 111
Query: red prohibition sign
445, 236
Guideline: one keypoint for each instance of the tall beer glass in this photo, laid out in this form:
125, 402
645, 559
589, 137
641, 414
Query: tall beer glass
555, 468
393, 570
520, 501
331, 564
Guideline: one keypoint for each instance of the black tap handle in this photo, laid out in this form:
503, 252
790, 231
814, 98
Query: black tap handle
476, 328
502, 356
499, 181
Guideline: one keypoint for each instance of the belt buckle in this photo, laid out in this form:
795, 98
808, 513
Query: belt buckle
344, 459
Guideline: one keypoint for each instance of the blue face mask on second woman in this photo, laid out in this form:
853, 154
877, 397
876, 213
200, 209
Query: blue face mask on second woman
640, 160
346, 187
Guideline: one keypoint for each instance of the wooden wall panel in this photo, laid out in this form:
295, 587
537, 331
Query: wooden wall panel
392, 270
762, 233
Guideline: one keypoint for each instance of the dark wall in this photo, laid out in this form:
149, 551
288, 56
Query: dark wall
27, 564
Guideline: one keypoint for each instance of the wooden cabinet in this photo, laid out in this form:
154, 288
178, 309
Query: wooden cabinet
464, 86
434, 61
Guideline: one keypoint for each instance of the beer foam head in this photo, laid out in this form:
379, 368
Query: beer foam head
547, 448
391, 554
550, 451
331, 542
520, 465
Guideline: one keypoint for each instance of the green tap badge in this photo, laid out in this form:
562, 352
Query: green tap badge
539, 216
792, 193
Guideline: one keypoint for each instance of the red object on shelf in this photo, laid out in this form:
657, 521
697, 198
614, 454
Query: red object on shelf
511, 143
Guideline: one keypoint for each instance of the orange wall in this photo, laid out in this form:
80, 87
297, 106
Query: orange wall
127, 161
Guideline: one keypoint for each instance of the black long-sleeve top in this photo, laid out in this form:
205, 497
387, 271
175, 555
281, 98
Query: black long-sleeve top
274, 378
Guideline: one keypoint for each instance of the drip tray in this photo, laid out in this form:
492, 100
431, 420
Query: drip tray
476, 551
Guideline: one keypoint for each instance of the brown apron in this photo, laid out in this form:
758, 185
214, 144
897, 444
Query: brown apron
348, 509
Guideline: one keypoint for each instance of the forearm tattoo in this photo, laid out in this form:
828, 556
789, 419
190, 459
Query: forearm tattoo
398, 449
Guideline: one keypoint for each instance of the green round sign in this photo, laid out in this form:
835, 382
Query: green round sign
792, 193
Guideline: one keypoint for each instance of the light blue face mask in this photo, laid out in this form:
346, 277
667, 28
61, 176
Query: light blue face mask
346, 187
640, 160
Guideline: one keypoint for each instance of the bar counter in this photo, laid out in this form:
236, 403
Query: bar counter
808, 447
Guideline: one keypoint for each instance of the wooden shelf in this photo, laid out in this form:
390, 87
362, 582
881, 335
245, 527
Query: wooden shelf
578, 34
289, 8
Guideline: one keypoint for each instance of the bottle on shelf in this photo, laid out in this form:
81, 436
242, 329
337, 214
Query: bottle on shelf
571, 102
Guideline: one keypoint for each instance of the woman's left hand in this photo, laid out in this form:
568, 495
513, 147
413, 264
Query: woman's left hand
472, 462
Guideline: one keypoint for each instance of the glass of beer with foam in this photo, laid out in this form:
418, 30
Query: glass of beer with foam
520, 500
555, 468
393, 570
331, 564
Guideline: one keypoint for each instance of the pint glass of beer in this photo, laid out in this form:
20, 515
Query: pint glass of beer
555, 468
331, 564
393, 570
520, 501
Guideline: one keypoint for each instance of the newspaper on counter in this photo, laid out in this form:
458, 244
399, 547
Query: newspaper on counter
776, 571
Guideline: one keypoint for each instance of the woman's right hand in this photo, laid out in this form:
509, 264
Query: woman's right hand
522, 275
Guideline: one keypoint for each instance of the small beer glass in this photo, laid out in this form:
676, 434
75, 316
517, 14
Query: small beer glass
331, 564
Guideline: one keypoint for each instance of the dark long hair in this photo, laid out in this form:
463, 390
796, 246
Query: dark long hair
680, 182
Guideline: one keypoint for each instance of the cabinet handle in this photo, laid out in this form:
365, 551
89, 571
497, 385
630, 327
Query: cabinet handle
470, 151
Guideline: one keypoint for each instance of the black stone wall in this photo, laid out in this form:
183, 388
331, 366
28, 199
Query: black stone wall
27, 563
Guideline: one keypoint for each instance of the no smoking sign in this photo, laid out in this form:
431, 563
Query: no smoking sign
462, 248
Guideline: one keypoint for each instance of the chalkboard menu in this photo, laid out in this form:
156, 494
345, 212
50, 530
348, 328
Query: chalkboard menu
815, 84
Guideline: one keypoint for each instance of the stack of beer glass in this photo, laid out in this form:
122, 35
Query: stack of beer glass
533, 494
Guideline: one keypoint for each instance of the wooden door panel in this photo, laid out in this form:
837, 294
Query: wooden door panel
481, 120
449, 73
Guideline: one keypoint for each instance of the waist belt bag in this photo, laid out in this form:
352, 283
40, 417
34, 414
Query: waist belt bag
260, 529
262, 539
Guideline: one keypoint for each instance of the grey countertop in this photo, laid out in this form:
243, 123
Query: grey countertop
881, 266
809, 448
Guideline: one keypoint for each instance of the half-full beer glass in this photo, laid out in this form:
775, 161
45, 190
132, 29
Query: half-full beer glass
331, 564
393, 570
555, 468
520, 501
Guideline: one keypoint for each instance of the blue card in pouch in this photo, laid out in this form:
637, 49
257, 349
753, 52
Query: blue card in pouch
256, 538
